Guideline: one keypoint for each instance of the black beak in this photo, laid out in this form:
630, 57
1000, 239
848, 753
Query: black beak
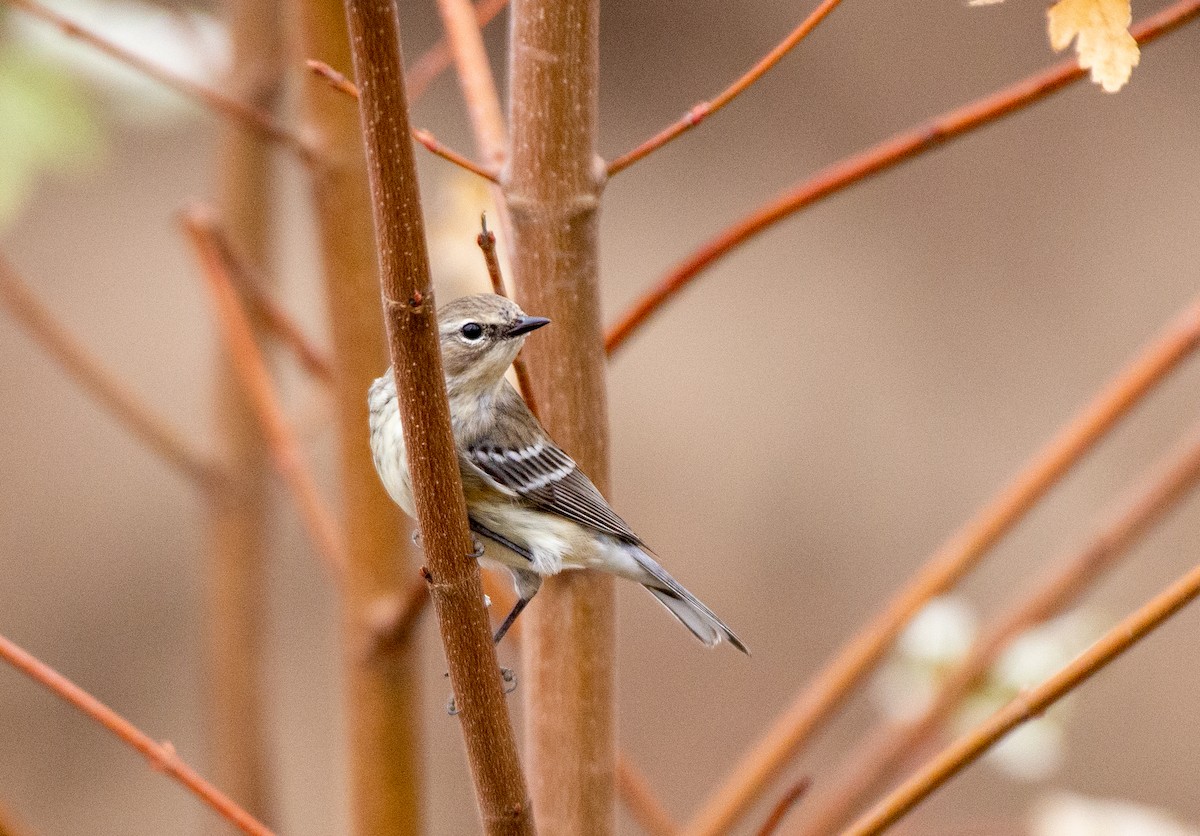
526, 324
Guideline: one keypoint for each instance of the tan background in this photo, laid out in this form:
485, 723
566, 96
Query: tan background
793, 435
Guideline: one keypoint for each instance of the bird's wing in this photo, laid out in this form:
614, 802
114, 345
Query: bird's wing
542, 475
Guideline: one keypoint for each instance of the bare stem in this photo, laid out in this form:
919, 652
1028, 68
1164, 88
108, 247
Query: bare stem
487, 243
885, 155
784, 805
250, 117
465, 38
430, 142
957, 556
1157, 492
381, 659
115, 395
162, 756
438, 58
552, 187
251, 368
639, 798
335, 79
1028, 705
420, 385
260, 304
705, 109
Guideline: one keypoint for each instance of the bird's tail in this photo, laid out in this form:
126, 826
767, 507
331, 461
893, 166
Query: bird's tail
685, 606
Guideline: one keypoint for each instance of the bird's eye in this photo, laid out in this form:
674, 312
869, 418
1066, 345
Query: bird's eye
472, 331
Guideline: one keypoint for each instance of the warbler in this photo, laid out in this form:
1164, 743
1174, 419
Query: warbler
534, 510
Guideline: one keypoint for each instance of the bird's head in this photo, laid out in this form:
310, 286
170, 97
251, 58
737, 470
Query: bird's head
481, 335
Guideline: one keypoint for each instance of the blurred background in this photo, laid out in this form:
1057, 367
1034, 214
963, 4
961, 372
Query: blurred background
793, 435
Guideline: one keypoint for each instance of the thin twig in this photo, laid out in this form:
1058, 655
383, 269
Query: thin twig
957, 556
1156, 493
65, 348
252, 369
487, 243
430, 142
784, 805
251, 286
874, 160
162, 756
1028, 705
336, 80
639, 798
438, 58
252, 118
705, 109
411, 318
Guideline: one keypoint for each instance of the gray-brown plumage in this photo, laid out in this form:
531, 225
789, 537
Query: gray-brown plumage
536, 511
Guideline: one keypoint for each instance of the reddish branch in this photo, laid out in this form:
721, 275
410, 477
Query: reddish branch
1157, 493
65, 348
332, 77
162, 756
957, 556
639, 798
433, 461
251, 286
874, 160
487, 243
430, 142
1030, 704
251, 368
784, 805
705, 109
439, 57
252, 118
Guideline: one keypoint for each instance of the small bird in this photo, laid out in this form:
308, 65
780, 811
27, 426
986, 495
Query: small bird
534, 509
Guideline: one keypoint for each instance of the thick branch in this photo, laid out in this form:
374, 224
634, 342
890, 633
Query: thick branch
250, 117
162, 756
420, 385
552, 187
874, 160
251, 368
705, 109
151, 429
1157, 493
1030, 704
957, 556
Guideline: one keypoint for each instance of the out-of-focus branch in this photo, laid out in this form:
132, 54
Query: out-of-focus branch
251, 368
259, 303
957, 556
881, 157
383, 595
465, 39
439, 57
54, 337
705, 109
420, 385
552, 189
8, 823
1030, 704
784, 805
162, 756
1159, 492
250, 117
639, 798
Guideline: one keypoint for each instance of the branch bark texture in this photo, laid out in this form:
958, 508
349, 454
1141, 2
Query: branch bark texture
433, 463
552, 183
382, 690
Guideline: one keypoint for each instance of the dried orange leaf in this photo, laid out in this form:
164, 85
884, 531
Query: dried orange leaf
1101, 32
